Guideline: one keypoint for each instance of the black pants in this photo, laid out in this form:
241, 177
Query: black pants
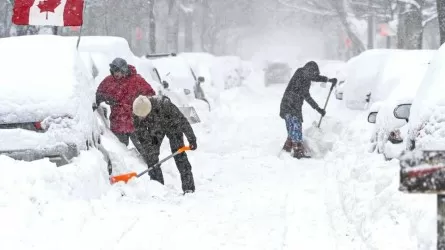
124, 138
152, 149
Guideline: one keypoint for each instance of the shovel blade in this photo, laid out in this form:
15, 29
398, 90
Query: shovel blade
123, 177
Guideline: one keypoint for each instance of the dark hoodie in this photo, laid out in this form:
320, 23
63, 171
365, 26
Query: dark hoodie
298, 90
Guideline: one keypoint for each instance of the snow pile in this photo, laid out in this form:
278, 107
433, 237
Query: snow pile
367, 189
44, 76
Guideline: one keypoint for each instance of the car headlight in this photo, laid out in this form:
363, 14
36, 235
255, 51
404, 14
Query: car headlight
395, 137
57, 122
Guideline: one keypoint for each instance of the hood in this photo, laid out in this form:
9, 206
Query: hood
132, 69
311, 68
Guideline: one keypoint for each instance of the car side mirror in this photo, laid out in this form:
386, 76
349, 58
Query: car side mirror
372, 117
402, 111
339, 95
165, 84
201, 79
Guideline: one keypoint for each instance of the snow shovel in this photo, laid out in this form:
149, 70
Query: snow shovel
126, 177
326, 104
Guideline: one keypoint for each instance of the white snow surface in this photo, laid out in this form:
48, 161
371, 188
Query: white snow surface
246, 196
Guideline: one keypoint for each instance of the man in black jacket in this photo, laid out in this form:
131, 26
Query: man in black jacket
295, 94
154, 118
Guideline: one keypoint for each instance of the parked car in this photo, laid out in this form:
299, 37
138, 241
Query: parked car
277, 73
374, 74
98, 52
46, 100
426, 114
181, 85
390, 132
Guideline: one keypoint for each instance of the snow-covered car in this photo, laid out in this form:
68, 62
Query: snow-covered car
426, 115
389, 132
230, 71
46, 98
98, 52
277, 73
182, 85
372, 75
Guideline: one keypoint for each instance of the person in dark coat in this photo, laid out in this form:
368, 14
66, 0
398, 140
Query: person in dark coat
119, 90
296, 93
154, 118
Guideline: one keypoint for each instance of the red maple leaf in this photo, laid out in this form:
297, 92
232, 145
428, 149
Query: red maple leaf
48, 6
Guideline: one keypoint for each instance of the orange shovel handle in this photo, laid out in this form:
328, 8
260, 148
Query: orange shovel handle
126, 177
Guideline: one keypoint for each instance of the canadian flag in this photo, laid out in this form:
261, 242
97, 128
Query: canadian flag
48, 12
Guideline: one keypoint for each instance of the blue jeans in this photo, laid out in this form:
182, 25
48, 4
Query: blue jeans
293, 125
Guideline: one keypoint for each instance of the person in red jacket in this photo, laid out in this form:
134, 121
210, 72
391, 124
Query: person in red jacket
119, 90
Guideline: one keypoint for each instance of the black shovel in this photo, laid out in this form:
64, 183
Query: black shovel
326, 103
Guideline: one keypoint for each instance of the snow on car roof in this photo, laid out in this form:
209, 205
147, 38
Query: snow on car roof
40, 73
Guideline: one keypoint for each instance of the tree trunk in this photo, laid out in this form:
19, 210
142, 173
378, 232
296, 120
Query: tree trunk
188, 31
172, 26
152, 24
441, 18
409, 30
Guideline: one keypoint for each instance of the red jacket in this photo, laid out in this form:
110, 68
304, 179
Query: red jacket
123, 92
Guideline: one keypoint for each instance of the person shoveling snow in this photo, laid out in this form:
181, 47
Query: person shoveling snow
297, 91
157, 117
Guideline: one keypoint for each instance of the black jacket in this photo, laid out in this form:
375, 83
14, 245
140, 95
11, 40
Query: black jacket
297, 91
164, 119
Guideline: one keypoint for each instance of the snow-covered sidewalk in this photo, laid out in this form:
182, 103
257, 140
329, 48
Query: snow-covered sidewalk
246, 196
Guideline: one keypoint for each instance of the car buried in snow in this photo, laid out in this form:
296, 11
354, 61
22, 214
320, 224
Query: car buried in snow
277, 73
182, 86
390, 131
46, 100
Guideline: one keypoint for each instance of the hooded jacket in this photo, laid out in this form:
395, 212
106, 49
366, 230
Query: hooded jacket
297, 91
121, 94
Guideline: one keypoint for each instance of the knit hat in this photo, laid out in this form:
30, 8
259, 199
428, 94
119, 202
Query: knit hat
142, 106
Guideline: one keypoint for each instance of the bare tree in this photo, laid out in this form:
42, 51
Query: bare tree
441, 16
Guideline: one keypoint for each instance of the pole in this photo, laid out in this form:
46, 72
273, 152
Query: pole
440, 221
371, 27
81, 26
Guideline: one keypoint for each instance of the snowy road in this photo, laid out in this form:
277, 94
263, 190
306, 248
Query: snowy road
247, 197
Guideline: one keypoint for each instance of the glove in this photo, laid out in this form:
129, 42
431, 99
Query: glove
193, 145
321, 111
333, 81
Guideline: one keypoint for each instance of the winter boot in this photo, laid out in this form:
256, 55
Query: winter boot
299, 151
288, 145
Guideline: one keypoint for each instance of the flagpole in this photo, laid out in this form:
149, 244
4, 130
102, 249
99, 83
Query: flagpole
81, 26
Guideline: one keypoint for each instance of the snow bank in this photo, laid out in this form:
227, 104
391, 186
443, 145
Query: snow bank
367, 190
